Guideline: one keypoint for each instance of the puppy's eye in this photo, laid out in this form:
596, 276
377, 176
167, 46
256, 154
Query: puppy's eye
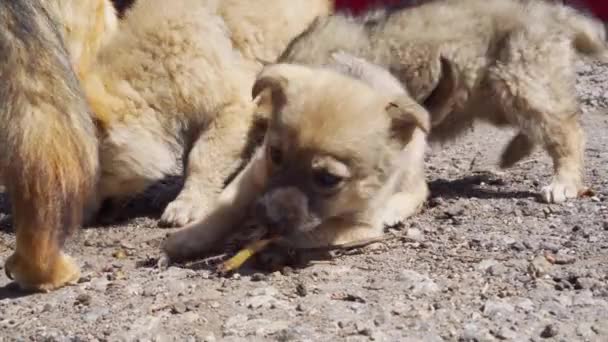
276, 155
324, 179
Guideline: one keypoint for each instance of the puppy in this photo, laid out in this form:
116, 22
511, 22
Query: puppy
48, 146
514, 65
342, 157
174, 85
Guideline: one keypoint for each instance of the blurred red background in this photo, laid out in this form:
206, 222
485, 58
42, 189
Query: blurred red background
598, 7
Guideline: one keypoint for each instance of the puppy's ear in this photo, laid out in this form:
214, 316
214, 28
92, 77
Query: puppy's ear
406, 114
269, 93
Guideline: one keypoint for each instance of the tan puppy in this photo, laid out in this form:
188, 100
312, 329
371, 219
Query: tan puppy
175, 84
341, 158
514, 61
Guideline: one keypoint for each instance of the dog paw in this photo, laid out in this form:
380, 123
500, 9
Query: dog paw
33, 277
399, 207
183, 211
559, 192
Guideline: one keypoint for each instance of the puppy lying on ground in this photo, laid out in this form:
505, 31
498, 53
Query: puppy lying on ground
513, 60
342, 157
175, 84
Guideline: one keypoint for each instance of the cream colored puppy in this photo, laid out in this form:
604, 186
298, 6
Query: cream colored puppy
342, 157
174, 85
514, 61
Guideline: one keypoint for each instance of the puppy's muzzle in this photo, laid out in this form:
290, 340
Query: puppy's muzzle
286, 210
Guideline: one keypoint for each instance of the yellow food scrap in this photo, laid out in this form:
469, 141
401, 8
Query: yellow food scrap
244, 254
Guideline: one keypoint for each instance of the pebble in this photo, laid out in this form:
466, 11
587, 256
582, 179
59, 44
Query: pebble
494, 309
491, 267
539, 266
415, 234
550, 246
258, 277
517, 246
416, 283
549, 331
83, 299
301, 290
179, 308
209, 338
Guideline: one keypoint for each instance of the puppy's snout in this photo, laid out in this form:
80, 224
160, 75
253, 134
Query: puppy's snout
284, 210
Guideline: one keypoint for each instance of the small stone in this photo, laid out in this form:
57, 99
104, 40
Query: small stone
119, 254
497, 308
605, 225
491, 267
539, 266
179, 308
416, 283
549, 331
550, 246
301, 290
209, 338
83, 299
562, 259
454, 211
258, 277
517, 246
364, 329
415, 234
286, 271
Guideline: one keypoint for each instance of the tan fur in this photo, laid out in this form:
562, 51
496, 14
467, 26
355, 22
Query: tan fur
513, 60
86, 25
49, 151
313, 133
176, 82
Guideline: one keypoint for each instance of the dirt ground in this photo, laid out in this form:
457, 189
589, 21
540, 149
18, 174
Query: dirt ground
484, 261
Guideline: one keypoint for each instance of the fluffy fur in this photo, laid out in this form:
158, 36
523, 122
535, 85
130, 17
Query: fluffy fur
176, 83
49, 151
513, 60
319, 179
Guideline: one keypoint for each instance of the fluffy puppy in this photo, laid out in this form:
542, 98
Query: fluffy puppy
514, 61
342, 157
48, 148
175, 85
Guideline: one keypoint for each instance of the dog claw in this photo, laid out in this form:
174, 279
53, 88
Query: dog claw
558, 192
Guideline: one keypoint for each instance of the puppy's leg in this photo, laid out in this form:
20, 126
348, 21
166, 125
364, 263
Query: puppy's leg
334, 233
404, 204
565, 144
412, 190
534, 85
518, 148
213, 158
231, 208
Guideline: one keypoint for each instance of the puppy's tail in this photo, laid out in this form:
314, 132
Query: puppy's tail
589, 34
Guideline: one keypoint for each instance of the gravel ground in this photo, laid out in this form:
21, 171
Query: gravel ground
484, 261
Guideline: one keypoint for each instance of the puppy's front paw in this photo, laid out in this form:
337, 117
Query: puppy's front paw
183, 211
30, 276
559, 191
400, 207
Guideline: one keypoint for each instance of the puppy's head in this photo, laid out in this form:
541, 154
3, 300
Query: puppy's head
330, 143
